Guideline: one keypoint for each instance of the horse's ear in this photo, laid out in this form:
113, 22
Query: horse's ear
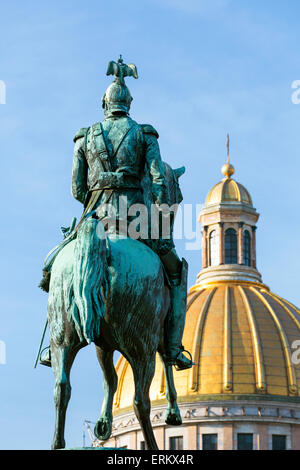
179, 171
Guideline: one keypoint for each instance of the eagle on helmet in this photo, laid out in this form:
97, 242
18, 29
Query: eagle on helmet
117, 97
121, 70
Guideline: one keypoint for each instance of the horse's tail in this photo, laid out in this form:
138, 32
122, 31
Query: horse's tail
90, 277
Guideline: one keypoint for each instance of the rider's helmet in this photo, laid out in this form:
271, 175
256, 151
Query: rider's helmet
117, 97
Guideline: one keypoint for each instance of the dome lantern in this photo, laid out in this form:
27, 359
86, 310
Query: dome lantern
228, 238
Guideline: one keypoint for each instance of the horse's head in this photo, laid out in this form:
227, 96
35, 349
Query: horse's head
172, 177
179, 172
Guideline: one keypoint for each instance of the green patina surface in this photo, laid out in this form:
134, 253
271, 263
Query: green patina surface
113, 290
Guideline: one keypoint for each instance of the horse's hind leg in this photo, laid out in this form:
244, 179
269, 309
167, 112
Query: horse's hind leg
173, 416
103, 427
143, 372
62, 359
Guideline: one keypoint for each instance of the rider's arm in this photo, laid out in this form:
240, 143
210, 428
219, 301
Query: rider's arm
80, 168
155, 165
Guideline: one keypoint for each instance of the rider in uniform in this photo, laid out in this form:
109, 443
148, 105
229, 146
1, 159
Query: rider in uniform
110, 160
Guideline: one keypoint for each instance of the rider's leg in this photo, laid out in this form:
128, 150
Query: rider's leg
174, 326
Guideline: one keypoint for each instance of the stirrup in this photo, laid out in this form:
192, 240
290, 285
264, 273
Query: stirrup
178, 363
184, 365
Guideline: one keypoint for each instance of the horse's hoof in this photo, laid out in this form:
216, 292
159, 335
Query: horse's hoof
103, 429
173, 417
57, 445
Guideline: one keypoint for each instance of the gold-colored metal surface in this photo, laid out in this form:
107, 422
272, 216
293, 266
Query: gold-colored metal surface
209, 284
227, 170
227, 343
194, 373
121, 368
239, 334
286, 307
257, 348
285, 344
228, 190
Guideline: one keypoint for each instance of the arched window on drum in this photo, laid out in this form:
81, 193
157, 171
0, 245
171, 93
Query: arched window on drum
230, 246
247, 248
213, 248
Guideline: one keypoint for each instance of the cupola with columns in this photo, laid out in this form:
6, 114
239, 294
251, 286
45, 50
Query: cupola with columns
229, 221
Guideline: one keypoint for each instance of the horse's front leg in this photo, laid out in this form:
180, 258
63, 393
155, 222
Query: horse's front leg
173, 416
62, 358
103, 427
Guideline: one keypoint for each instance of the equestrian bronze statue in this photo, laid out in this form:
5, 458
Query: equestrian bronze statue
116, 279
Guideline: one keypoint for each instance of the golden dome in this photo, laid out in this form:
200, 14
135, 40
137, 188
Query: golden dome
240, 335
228, 191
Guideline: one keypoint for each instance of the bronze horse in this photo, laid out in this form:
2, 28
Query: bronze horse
111, 291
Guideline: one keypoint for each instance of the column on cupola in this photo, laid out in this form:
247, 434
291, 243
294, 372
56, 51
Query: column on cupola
221, 242
240, 243
204, 247
253, 250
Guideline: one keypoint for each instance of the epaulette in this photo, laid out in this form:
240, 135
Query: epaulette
148, 129
81, 133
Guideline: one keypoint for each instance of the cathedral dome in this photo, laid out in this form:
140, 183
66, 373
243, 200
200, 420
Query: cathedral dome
240, 336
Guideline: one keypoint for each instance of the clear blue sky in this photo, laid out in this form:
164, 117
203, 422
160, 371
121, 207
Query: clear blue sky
206, 68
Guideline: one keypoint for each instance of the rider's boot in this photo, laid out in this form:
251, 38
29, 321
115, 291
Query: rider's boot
45, 358
174, 324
